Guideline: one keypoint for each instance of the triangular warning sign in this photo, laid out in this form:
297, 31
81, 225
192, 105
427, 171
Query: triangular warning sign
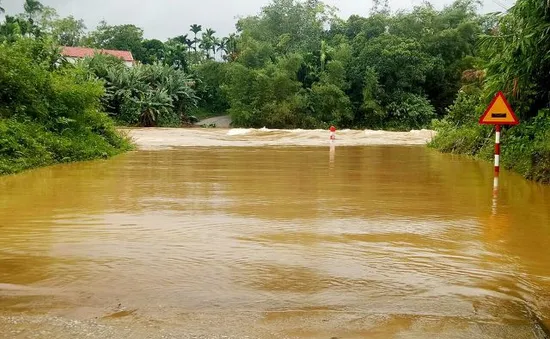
499, 112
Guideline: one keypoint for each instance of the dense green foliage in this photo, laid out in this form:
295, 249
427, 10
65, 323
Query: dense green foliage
49, 114
515, 60
295, 64
298, 65
146, 95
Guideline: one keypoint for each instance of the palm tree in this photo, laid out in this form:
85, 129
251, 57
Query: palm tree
206, 45
32, 8
231, 47
208, 42
189, 43
196, 29
222, 47
180, 38
215, 44
210, 32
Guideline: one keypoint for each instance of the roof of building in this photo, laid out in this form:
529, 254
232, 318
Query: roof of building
82, 52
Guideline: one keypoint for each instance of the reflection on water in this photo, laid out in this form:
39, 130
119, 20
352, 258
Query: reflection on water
332, 152
401, 239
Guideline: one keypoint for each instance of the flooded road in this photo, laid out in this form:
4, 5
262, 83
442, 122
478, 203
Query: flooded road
377, 241
166, 138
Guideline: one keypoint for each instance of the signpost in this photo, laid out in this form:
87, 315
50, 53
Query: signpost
498, 113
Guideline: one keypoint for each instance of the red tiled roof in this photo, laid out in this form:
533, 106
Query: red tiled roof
82, 52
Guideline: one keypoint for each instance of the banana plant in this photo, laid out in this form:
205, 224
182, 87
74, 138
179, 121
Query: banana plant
154, 105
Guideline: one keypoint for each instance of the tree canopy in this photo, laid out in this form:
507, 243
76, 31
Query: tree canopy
296, 63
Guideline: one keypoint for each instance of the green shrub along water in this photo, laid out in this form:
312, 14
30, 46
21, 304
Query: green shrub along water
50, 113
524, 149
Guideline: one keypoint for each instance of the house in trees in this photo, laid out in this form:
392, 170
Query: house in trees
74, 53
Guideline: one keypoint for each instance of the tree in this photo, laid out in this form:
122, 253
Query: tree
176, 55
517, 57
450, 35
44, 19
222, 47
215, 46
231, 47
288, 24
152, 51
380, 7
121, 37
153, 105
400, 63
209, 42
182, 39
329, 104
68, 31
196, 29
13, 28
189, 43
213, 77
48, 115
32, 9
2, 10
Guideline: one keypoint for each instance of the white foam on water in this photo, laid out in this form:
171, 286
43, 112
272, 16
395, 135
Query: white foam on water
239, 131
370, 131
178, 137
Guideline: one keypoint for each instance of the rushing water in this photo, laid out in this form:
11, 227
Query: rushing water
273, 242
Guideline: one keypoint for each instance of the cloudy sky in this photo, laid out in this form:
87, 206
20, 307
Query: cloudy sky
166, 18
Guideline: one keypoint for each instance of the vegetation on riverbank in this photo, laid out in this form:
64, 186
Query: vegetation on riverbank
49, 114
144, 95
514, 61
296, 64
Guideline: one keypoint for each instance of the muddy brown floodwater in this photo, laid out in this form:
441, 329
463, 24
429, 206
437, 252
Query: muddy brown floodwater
383, 238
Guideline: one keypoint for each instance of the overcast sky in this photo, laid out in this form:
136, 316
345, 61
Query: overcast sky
167, 18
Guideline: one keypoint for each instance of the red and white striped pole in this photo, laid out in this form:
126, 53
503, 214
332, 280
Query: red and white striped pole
497, 169
497, 150
332, 134
332, 146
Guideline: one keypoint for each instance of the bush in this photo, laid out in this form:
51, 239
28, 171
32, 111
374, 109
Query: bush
145, 95
212, 77
525, 148
273, 97
407, 110
468, 140
24, 84
466, 108
330, 104
48, 115
25, 144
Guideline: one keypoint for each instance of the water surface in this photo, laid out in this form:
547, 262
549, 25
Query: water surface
272, 242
